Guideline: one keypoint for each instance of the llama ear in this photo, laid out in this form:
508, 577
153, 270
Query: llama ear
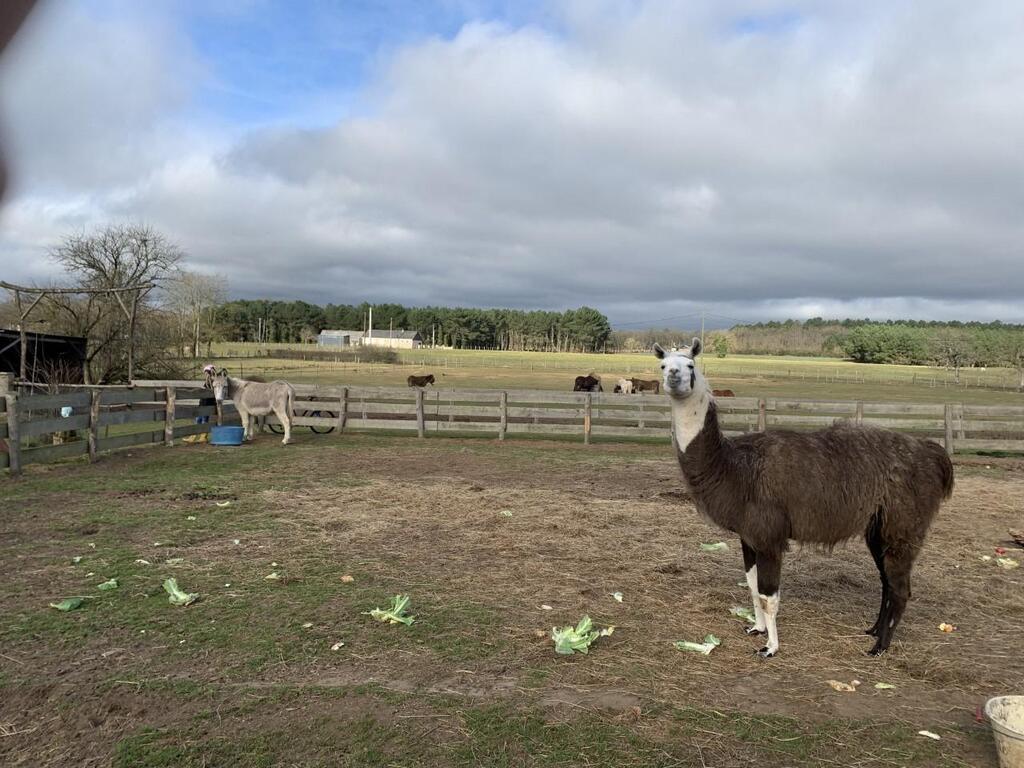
658, 351
695, 347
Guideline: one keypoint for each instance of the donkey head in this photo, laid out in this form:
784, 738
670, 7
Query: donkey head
679, 371
220, 384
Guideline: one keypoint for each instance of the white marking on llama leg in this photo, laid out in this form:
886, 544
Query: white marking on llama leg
770, 606
688, 418
759, 626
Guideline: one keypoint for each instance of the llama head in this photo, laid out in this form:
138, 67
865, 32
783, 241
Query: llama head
679, 370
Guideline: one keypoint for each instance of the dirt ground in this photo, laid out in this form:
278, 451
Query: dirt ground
495, 543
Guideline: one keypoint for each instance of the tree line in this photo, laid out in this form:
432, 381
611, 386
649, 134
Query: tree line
574, 330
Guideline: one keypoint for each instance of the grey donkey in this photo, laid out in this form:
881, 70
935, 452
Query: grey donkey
255, 398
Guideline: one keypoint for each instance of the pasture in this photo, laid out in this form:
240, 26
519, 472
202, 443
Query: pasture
481, 534
748, 376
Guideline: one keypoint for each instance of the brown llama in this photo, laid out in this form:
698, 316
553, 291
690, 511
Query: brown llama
818, 487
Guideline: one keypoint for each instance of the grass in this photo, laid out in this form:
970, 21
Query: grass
238, 679
748, 376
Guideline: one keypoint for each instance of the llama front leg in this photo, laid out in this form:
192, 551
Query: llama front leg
750, 569
769, 570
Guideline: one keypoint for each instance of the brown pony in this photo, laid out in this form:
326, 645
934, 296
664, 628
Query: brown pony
420, 381
723, 393
646, 385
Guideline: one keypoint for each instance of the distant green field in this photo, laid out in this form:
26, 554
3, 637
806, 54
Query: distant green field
747, 376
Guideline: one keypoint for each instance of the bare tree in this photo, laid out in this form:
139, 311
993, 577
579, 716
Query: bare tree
192, 296
119, 256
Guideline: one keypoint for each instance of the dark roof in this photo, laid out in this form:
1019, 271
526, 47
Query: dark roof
384, 334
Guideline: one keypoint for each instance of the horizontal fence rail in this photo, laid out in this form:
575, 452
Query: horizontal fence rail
36, 428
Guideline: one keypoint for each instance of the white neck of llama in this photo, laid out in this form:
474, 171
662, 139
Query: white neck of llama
688, 414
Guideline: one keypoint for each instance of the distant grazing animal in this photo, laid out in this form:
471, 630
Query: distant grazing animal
819, 487
588, 383
723, 393
646, 385
420, 381
255, 398
625, 386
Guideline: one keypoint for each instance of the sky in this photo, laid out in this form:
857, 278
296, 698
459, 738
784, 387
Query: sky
654, 159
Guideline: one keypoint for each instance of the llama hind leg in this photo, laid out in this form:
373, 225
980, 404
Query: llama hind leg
897, 568
750, 568
769, 571
876, 546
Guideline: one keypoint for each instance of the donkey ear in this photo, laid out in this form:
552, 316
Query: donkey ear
695, 347
658, 351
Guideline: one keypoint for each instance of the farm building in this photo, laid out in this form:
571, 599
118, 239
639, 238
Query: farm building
374, 338
47, 355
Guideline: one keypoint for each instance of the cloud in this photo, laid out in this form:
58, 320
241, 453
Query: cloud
646, 158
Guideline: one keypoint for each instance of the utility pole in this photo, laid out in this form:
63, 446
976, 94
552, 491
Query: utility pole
369, 331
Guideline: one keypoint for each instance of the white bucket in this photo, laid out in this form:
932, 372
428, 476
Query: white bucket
1006, 716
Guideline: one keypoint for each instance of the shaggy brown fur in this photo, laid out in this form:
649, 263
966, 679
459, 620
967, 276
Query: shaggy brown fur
818, 487
589, 383
420, 381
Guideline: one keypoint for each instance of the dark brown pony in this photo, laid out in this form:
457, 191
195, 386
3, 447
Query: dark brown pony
588, 383
420, 381
646, 385
723, 393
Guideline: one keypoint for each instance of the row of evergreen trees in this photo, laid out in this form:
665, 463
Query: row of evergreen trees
574, 330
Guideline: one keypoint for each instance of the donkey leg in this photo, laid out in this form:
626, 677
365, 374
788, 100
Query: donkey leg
876, 546
769, 571
897, 567
750, 568
285, 418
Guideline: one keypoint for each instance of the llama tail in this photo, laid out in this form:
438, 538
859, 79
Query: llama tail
946, 467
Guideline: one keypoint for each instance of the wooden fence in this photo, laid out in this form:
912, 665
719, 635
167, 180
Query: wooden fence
163, 411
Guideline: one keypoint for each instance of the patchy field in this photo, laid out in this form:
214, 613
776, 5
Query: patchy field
247, 677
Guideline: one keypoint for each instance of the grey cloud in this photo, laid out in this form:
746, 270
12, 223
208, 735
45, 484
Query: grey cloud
647, 158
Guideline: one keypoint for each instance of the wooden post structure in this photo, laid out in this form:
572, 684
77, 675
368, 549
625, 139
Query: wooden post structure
960, 422
503, 415
13, 435
859, 414
420, 420
170, 396
94, 423
948, 442
587, 405
762, 415
343, 413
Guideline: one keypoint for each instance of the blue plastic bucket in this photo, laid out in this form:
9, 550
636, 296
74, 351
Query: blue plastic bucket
226, 435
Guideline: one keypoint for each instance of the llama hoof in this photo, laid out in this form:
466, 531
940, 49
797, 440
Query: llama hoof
755, 631
877, 650
765, 653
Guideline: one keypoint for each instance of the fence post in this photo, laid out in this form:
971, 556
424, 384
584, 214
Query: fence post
420, 426
948, 443
13, 435
762, 415
587, 403
859, 415
503, 405
94, 423
169, 398
343, 414
960, 422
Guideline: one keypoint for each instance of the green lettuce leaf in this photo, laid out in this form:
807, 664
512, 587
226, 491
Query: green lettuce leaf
710, 643
177, 597
396, 613
68, 604
108, 584
570, 640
